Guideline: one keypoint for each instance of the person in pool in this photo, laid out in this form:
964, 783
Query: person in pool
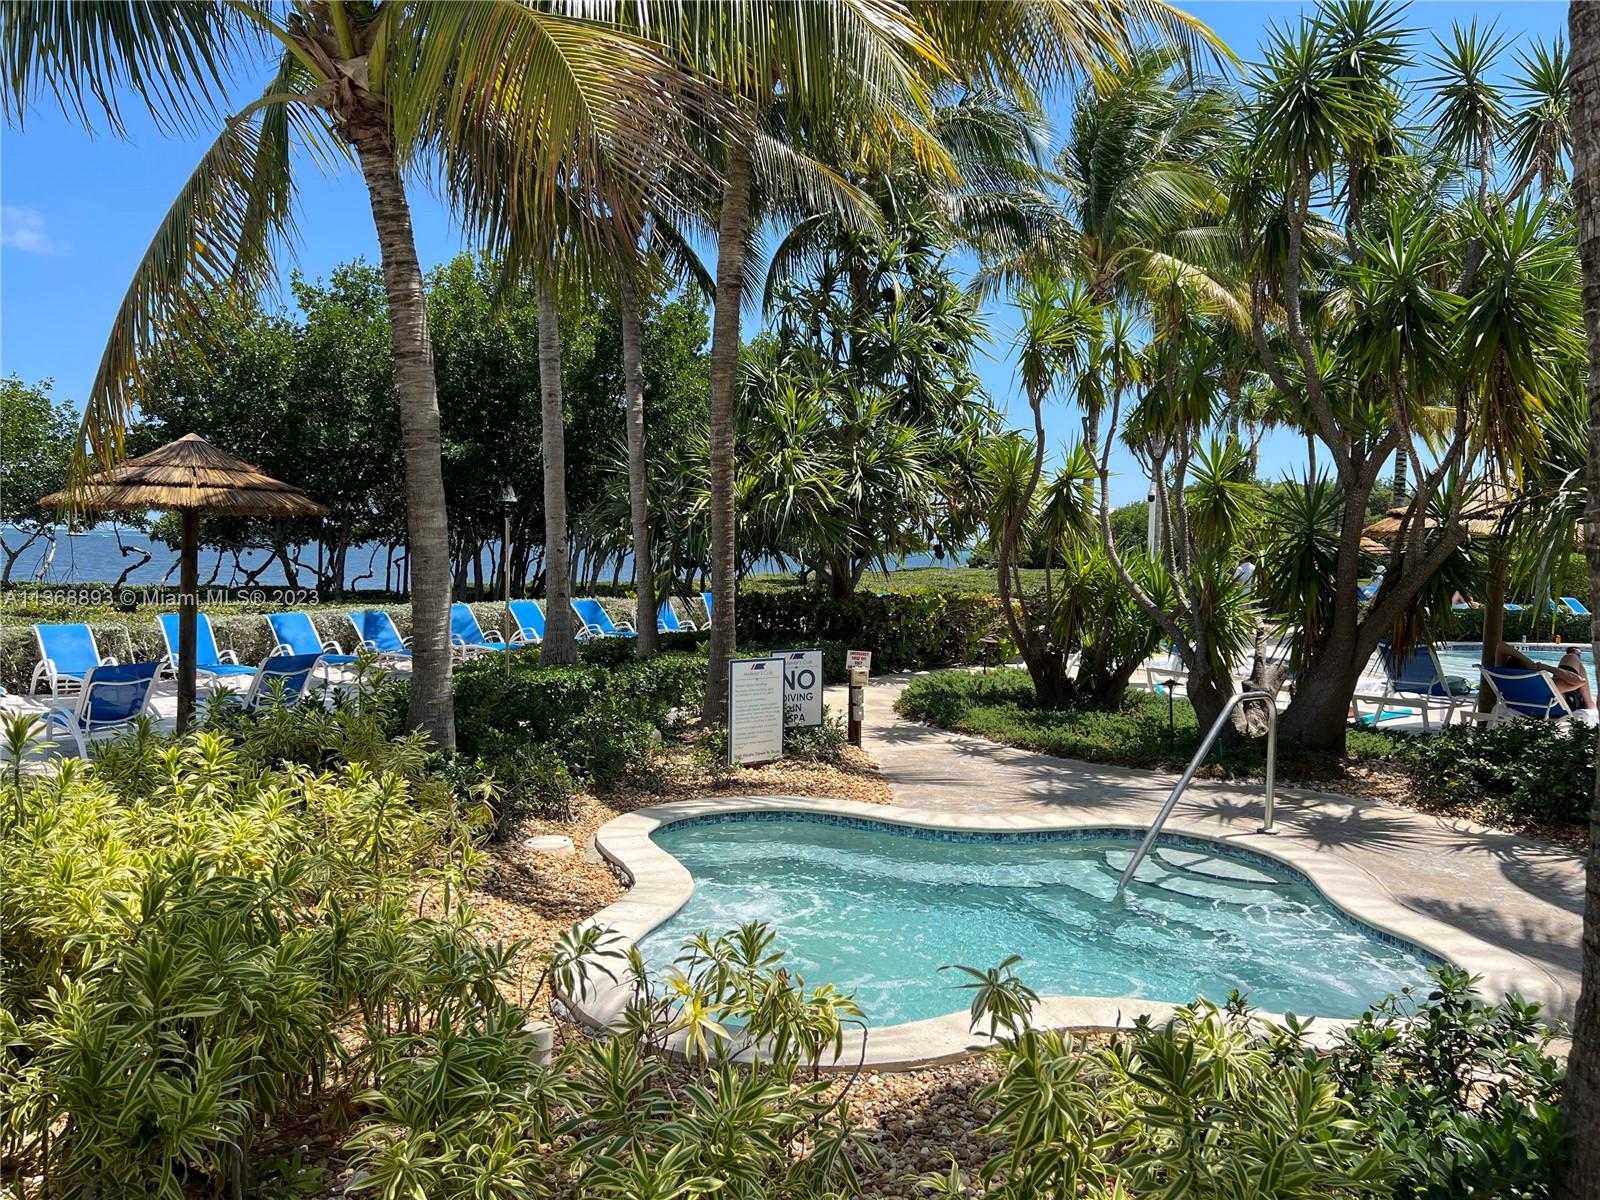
1569, 676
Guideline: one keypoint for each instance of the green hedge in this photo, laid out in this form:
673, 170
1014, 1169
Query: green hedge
1524, 626
1521, 770
911, 630
904, 630
545, 732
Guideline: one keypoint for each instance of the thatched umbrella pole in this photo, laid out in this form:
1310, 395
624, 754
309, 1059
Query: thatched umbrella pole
190, 477
188, 613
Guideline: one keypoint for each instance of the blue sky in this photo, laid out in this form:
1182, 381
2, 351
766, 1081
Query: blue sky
77, 211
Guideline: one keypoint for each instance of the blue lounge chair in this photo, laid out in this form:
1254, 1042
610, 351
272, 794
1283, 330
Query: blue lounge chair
375, 631
596, 622
1510, 607
285, 675
207, 659
1519, 692
1417, 681
467, 636
530, 622
667, 619
67, 653
295, 634
112, 696
705, 598
1575, 606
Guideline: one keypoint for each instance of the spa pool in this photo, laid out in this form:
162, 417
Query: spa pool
878, 909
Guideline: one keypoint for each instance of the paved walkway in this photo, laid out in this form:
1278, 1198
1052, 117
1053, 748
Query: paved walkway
1522, 895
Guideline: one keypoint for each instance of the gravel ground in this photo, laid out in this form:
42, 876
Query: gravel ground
923, 1120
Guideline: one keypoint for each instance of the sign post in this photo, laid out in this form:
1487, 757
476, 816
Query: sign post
755, 710
802, 687
858, 663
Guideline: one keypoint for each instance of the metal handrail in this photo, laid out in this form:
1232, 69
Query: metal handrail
1194, 765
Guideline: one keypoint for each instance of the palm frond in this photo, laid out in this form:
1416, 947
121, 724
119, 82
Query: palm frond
92, 57
534, 115
218, 236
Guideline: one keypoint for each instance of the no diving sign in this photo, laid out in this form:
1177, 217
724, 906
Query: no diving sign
802, 687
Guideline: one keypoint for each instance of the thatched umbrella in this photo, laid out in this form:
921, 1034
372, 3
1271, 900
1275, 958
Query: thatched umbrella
192, 477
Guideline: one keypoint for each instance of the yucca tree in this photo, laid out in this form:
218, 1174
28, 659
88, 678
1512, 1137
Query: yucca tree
499, 102
1579, 1178
1369, 344
1058, 325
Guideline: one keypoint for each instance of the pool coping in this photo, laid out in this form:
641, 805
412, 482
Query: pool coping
660, 885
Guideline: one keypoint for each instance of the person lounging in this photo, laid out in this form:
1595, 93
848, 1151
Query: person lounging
1569, 675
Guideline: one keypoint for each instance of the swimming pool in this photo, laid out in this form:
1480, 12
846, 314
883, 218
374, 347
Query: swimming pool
1462, 658
878, 909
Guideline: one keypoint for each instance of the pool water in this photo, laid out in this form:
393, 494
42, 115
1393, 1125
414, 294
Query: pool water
1462, 658
878, 910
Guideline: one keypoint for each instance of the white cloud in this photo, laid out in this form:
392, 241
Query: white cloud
23, 229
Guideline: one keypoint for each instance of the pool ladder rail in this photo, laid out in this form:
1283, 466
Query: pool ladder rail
1194, 765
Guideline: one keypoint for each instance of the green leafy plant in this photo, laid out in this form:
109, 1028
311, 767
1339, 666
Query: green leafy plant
193, 942
1518, 770
548, 732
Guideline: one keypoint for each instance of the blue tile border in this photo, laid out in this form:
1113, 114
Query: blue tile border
1173, 841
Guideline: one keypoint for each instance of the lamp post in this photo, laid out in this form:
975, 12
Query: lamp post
508, 504
938, 515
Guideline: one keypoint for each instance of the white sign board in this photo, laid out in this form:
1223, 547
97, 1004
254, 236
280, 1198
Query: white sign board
802, 687
755, 710
855, 659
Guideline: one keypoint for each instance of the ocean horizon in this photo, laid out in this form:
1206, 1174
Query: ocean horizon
95, 556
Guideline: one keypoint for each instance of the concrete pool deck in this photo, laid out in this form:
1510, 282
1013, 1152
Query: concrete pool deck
1520, 895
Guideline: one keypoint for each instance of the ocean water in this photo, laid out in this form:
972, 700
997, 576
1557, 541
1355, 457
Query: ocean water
880, 911
95, 557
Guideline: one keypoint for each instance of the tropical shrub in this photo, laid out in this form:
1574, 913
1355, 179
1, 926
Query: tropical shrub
192, 944
1435, 1097
545, 732
465, 1111
1517, 771
904, 630
1464, 1095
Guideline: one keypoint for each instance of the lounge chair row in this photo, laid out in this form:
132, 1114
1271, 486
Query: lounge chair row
112, 695
67, 653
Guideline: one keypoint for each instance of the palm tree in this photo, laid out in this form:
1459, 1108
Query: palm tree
1059, 323
480, 93
667, 249
644, 570
1579, 1178
1138, 172
792, 67
560, 646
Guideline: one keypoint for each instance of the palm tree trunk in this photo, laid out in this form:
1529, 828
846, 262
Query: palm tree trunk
560, 647
644, 575
1401, 462
427, 521
1580, 1103
733, 232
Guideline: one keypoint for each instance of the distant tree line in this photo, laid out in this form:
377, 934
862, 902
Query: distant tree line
309, 396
